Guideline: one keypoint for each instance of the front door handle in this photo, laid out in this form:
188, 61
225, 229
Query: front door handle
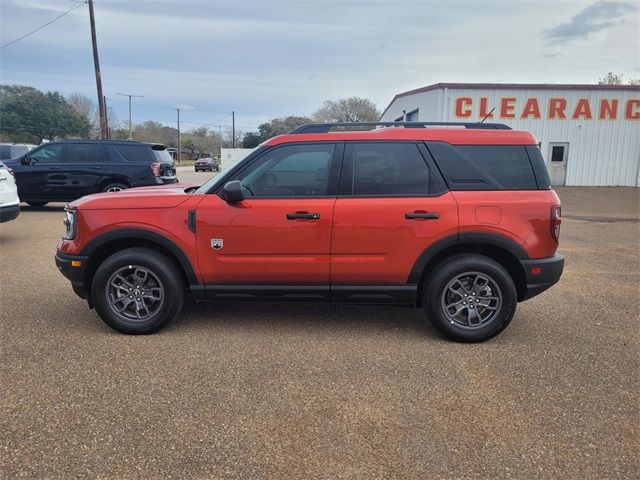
54, 168
422, 215
96, 168
303, 216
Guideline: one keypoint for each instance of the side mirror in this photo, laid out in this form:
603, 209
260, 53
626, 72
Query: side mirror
25, 160
232, 191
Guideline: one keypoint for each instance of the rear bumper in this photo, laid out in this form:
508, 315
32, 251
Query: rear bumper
9, 212
541, 274
75, 273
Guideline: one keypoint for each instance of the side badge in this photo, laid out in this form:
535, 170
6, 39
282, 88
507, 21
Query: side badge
217, 243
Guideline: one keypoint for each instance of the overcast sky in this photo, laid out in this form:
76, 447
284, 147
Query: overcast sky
274, 58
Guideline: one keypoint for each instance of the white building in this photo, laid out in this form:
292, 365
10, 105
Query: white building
230, 156
588, 134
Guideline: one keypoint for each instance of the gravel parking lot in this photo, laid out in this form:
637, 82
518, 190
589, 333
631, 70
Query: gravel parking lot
244, 390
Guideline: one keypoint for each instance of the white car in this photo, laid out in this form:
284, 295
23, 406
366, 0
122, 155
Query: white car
9, 201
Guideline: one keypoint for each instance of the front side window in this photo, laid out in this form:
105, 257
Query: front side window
386, 168
47, 154
290, 171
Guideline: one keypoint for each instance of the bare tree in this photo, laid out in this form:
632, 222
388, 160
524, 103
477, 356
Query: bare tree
352, 109
83, 105
616, 79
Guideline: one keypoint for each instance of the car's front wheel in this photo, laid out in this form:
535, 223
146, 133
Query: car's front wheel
469, 298
137, 291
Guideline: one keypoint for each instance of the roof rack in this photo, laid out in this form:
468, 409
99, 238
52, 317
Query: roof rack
326, 127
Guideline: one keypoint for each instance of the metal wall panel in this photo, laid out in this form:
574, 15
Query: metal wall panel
601, 152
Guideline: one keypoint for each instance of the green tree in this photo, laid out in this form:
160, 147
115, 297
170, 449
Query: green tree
276, 126
352, 109
29, 115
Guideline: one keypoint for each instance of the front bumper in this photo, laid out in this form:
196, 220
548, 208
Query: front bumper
9, 212
541, 274
75, 272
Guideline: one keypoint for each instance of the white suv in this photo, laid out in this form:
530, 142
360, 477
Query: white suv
9, 201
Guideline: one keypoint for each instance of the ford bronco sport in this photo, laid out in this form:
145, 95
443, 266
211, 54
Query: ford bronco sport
457, 218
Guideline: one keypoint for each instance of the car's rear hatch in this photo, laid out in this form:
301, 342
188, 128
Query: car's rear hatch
167, 164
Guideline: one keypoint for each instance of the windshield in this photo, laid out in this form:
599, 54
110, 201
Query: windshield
213, 182
216, 180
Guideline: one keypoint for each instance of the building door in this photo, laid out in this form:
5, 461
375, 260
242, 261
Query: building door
558, 153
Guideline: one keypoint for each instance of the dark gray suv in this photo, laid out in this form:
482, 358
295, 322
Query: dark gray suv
67, 170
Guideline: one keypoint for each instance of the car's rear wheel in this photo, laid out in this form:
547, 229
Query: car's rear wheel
114, 187
36, 204
137, 291
469, 298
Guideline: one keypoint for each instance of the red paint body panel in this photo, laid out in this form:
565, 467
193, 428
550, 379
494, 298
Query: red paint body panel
261, 245
525, 217
374, 244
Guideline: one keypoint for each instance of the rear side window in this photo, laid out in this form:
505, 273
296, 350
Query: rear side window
5, 152
539, 167
385, 169
162, 156
134, 153
84, 153
484, 167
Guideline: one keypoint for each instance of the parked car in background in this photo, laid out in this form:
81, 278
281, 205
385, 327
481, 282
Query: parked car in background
9, 201
460, 220
65, 171
207, 164
9, 151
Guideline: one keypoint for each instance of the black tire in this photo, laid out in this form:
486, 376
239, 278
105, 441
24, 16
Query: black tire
162, 272
468, 267
36, 204
114, 187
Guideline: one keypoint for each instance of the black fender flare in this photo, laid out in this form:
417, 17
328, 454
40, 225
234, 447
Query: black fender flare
148, 235
463, 238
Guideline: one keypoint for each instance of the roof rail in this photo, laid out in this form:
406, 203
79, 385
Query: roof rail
326, 127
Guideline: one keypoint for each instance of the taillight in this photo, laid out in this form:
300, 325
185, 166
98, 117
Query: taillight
556, 220
155, 169
10, 170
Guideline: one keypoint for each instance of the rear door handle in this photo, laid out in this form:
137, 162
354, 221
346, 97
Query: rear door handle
54, 168
303, 216
422, 215
96, 168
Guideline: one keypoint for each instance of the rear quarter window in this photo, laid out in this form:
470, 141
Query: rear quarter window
134, 153
484, 167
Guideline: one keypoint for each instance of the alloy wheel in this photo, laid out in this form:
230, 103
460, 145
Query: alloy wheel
134, 293
471, 300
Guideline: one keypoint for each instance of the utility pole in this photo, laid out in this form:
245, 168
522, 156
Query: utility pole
106, 116
130, 125
96, 66
220, 130
179, 139
233, 129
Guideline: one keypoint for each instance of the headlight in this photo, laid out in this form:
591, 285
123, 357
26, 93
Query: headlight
70, 224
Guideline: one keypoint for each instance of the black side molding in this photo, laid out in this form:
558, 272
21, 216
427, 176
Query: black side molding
462, 239
191, 221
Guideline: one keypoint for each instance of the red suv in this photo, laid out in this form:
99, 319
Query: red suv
458, 218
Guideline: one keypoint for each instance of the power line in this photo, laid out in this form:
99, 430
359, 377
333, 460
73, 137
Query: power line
42, 26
